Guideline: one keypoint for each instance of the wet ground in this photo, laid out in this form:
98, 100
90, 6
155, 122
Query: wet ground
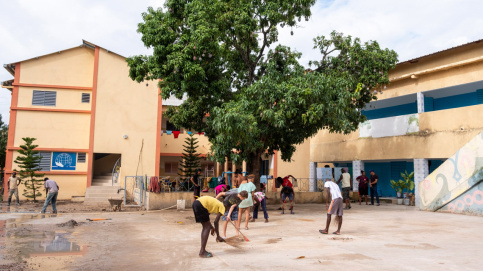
387, 237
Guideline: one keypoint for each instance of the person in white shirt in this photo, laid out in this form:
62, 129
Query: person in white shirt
346, 188
335, 207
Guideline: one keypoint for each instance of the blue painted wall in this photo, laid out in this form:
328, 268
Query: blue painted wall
456, 101
387, 112
388, 171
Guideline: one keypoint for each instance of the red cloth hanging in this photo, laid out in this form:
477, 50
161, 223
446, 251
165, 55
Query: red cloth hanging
176, 134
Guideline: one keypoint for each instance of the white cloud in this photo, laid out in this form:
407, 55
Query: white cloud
412, 28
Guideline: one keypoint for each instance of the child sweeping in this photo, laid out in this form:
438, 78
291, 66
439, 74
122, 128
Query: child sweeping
202, 208
231, 202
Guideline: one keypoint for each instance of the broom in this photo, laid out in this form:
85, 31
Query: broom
244, 237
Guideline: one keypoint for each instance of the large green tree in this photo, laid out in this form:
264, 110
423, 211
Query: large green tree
29, 163
223, 55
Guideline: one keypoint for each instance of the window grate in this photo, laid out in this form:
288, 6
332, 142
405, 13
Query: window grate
86, 97
45, 160
45, 98
81, 157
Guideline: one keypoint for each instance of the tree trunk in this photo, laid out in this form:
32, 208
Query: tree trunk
254, 166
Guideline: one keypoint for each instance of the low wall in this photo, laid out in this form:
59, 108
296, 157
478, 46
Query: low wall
155, 201
163, 200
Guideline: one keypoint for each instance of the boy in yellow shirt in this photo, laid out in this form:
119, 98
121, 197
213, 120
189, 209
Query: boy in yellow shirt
202, 208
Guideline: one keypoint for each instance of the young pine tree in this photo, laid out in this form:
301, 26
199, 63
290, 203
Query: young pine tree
29, 162
190, 160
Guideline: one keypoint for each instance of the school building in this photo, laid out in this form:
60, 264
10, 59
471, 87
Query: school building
93, 125
432, 108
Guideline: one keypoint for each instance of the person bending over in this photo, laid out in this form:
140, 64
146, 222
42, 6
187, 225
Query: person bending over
202, 208
287, 192
231, 202
335, 207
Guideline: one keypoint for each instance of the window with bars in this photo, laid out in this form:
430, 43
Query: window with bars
81, 157
45, 98
45, 160
86, 97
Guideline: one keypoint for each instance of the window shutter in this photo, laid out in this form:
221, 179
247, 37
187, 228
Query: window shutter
86, 97
38, 97
47, 98
45, 160
81, 157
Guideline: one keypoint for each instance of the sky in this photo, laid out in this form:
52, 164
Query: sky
413, 28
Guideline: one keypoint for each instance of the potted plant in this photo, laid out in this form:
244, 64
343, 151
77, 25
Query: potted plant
398, 187
408, 184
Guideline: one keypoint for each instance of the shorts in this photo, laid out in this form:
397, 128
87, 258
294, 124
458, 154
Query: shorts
234, 214
336, 207
201, 214
363, 191
346, 192
196, 191
290, 196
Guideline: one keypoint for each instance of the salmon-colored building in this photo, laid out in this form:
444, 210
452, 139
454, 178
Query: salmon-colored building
90, 119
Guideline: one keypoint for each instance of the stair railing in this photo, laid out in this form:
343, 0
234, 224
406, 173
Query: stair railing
116, 170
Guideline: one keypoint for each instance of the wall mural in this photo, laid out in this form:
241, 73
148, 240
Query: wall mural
456, 186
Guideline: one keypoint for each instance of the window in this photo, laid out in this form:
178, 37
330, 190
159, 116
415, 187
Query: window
171, 167
86, 98
81, 157
46, 98
45, 159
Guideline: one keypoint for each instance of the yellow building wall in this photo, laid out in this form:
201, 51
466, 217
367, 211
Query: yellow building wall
53, 129
169, 144
124, 107
66, 98
440, 136
73, 67
299, 165
69, 186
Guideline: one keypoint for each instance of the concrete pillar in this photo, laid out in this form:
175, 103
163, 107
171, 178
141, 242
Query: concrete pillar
421, 171
420, 102
357, 166
312, 176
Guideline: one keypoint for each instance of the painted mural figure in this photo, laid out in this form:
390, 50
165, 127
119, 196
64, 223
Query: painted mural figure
373, 186
363, 187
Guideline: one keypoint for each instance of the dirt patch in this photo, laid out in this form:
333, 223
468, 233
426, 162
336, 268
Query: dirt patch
341, 238
424, 246
71, 223
13, 267
352, 256
273, 240
234, 241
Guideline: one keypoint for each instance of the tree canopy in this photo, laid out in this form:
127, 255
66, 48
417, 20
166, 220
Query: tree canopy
248, 93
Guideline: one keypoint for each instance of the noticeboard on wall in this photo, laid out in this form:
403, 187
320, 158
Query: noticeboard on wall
64, 160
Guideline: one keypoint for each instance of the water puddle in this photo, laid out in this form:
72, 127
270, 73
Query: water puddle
45, 246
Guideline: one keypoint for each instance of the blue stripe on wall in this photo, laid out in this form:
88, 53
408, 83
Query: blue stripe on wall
387, 112
467, 99
428, 104
479, 96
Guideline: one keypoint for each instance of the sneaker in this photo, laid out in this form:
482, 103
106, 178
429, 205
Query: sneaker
266, 220
291, 212
54, 212
42, 212
378, 204
18, 204
282, 213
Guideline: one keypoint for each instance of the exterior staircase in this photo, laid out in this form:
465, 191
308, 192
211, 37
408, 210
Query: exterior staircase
457, 185
101, 190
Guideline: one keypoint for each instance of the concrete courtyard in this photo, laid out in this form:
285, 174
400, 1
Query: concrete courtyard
388, 237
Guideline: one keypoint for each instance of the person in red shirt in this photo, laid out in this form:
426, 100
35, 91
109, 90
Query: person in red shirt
363, 186
286, 181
